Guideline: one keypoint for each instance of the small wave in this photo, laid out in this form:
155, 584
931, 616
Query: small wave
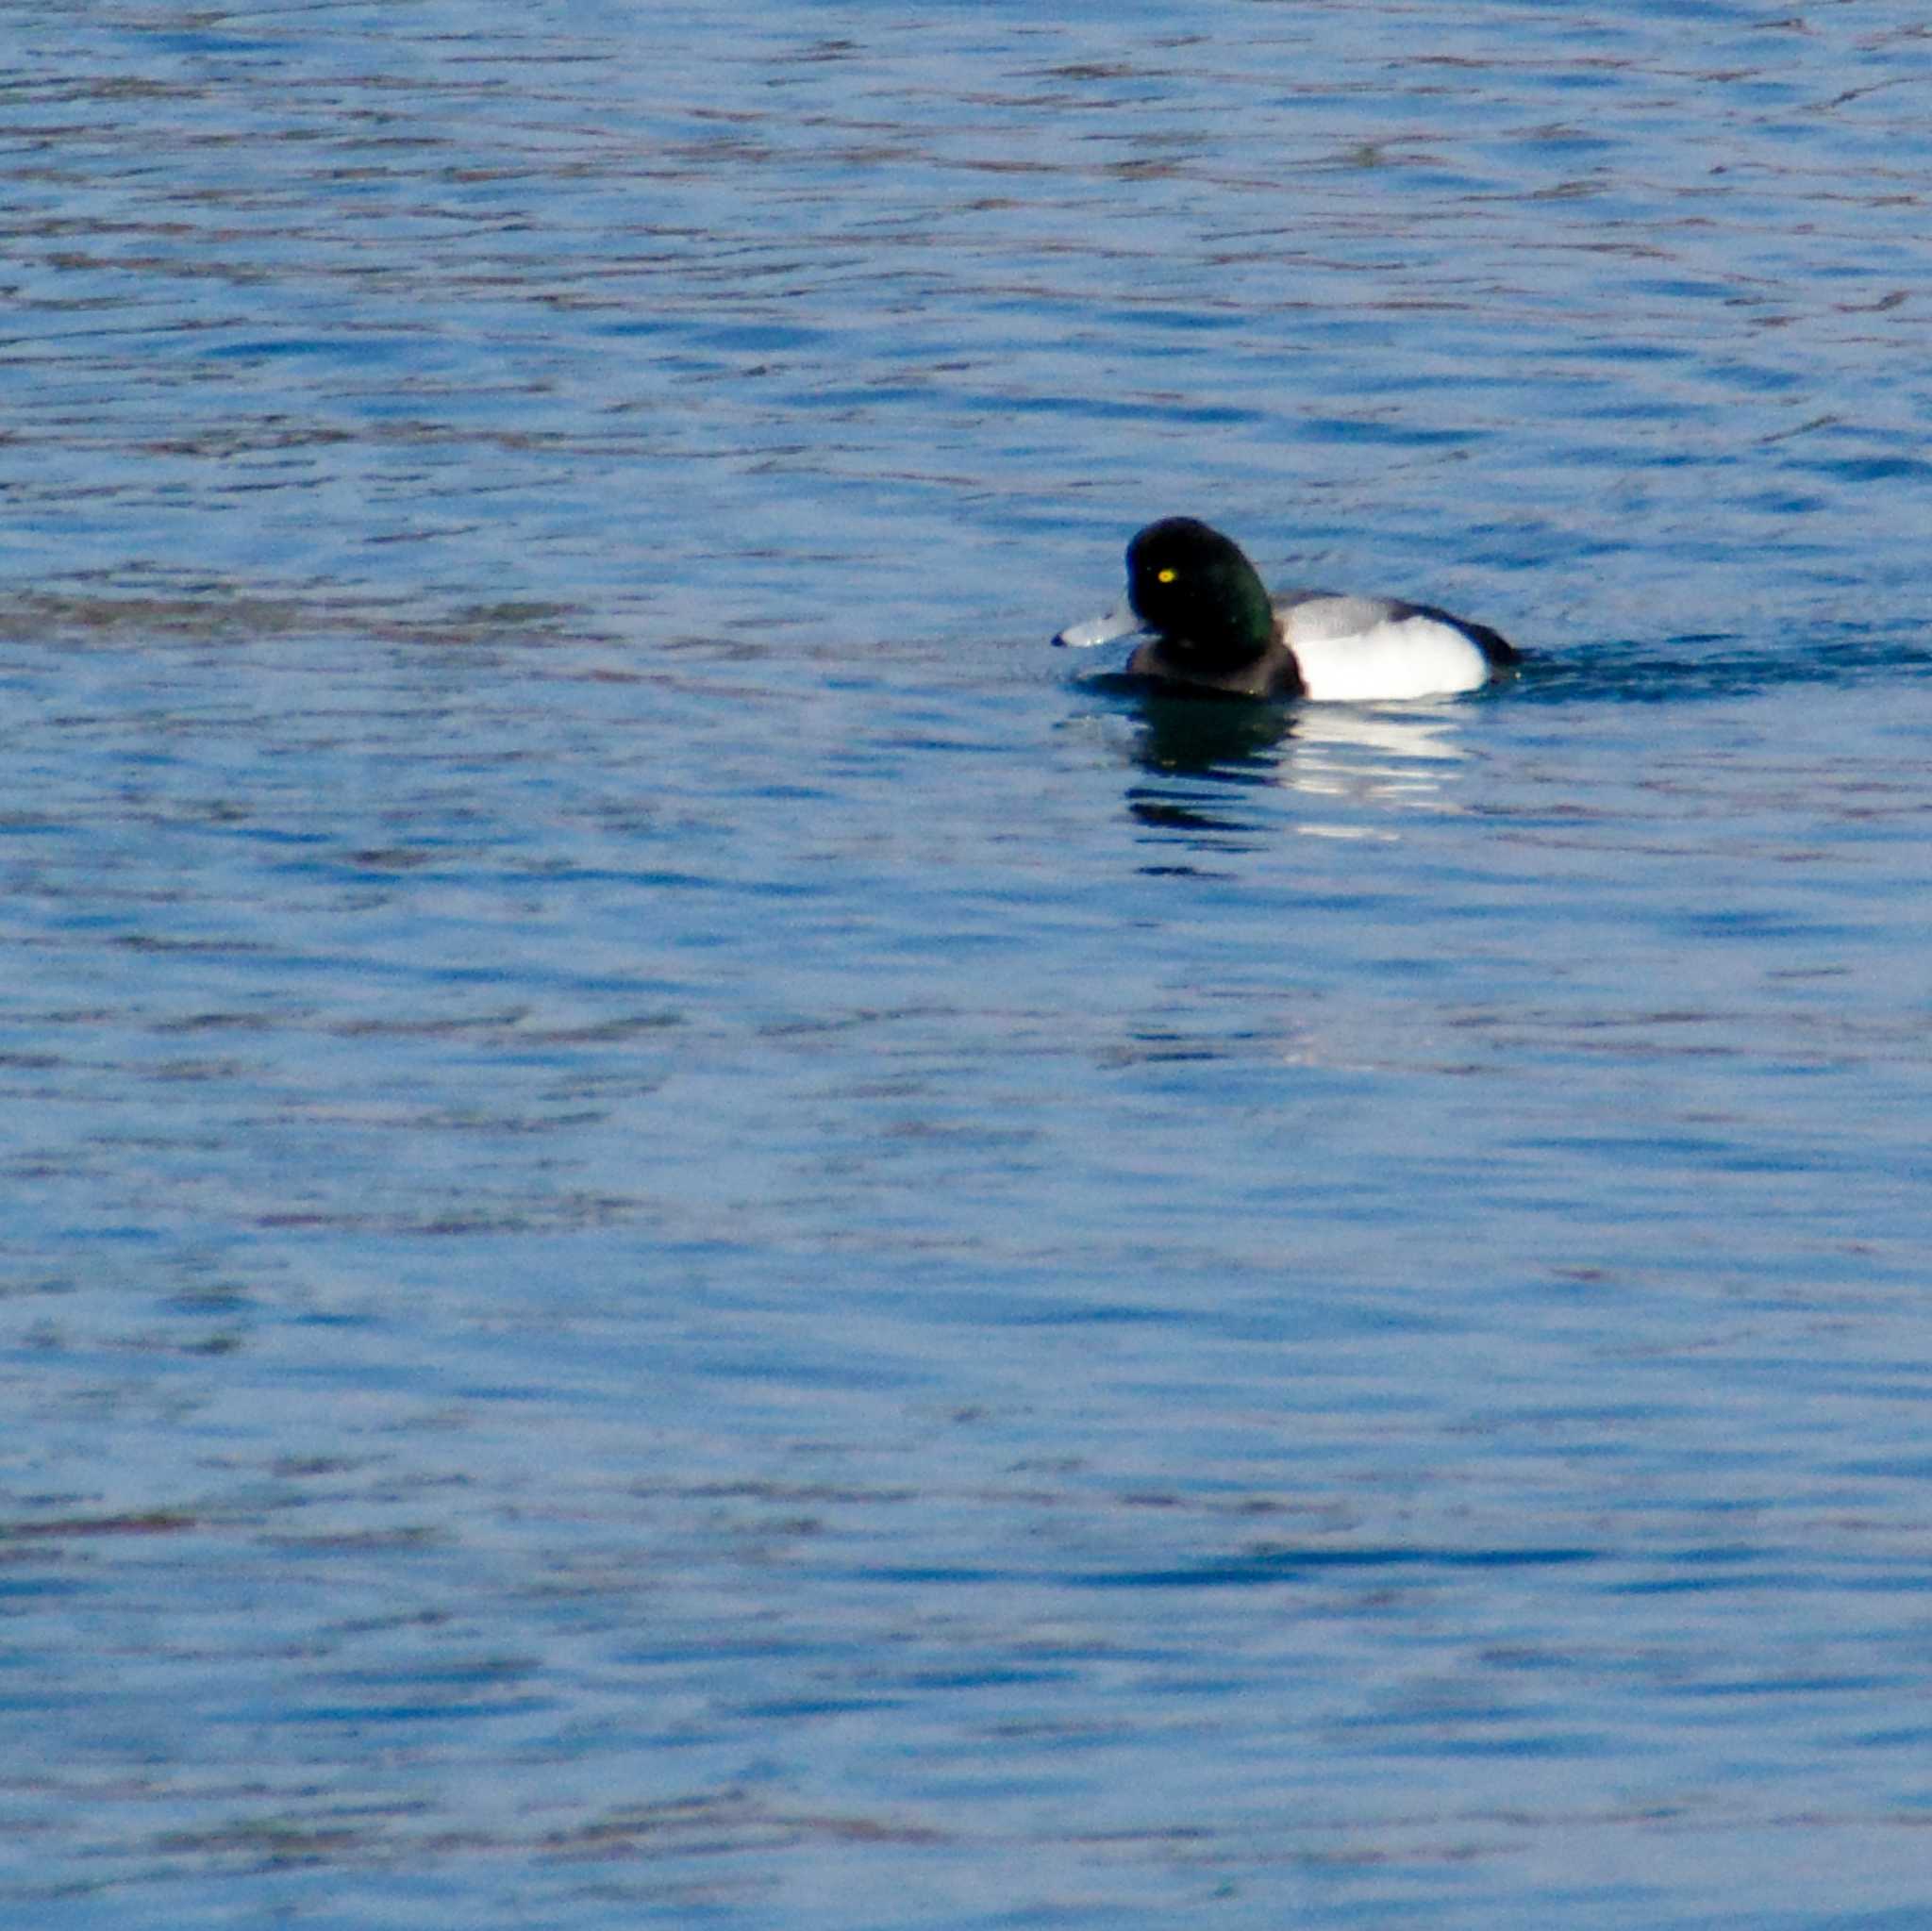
1715, 665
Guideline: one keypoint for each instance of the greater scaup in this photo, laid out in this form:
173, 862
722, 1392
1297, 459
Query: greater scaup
1214, 627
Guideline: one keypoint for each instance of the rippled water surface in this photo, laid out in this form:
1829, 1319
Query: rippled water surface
694, 1237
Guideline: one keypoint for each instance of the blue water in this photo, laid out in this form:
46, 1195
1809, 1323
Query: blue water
694, 1237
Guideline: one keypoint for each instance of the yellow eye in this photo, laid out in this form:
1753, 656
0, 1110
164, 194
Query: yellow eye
1165, 575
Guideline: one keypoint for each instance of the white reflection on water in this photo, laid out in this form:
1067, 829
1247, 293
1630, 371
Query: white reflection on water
1209, 767
1381, 757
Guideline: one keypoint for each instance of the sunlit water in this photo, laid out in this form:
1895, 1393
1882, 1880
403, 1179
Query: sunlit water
694, 1237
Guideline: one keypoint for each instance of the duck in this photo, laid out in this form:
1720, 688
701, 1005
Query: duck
1211, 625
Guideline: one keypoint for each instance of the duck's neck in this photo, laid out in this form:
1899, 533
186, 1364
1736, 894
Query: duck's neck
1235, 622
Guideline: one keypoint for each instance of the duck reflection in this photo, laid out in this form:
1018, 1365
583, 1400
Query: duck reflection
1213, 771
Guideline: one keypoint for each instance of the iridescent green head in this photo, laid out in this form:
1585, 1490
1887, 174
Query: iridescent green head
1193, 587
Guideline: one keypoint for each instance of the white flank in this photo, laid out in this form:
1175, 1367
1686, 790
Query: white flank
1387, 658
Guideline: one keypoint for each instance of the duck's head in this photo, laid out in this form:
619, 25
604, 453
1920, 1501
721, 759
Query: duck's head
1196, 591
1200, 597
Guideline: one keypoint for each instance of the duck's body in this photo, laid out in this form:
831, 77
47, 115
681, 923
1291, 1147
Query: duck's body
1342, 649
1214, 627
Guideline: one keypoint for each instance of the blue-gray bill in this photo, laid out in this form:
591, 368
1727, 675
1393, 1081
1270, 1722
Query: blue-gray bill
1119, 622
